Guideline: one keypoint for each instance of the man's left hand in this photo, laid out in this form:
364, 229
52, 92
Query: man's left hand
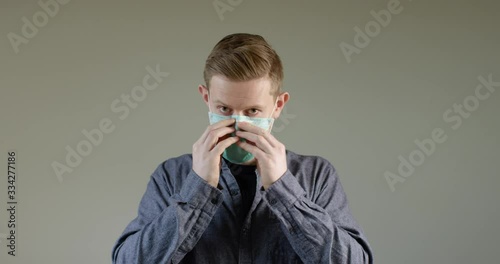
269, 152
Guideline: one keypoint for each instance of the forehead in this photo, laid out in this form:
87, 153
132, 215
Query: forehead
237, 94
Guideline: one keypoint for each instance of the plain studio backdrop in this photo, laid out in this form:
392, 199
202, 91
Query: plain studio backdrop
403, 98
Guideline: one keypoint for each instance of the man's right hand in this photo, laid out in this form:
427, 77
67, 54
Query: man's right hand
209, 147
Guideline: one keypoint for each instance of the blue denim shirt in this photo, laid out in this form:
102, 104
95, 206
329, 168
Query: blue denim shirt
303, 217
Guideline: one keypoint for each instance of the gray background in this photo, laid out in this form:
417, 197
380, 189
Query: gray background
360, 115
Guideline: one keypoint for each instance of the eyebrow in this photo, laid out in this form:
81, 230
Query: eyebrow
252, 106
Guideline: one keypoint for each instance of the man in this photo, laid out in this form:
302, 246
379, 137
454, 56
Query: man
241, 196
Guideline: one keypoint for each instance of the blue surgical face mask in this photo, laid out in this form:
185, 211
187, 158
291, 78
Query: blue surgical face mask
235, 153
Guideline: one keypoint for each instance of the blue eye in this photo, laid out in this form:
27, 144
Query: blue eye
223, 109
254, 111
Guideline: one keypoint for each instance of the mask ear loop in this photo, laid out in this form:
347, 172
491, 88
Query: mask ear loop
270, 117
210, 110
274, 108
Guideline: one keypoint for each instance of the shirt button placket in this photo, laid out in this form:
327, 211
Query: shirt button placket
245, 249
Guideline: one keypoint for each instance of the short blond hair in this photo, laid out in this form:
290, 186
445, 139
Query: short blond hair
244, 57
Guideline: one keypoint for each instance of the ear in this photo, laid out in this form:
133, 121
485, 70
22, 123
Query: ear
281, 100
203, 90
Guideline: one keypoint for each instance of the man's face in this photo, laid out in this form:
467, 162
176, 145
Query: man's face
250, 98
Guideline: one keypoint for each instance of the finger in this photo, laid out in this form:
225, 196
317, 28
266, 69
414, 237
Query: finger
258, 153
221, 146
248, 127
223, 137
214, 135
222, 123
259, 140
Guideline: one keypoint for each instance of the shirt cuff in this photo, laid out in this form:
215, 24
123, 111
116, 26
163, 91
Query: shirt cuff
286, 190
198, 193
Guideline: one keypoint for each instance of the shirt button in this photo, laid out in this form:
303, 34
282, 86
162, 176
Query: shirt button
244, 231
234, 193
272, 202
214, 200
